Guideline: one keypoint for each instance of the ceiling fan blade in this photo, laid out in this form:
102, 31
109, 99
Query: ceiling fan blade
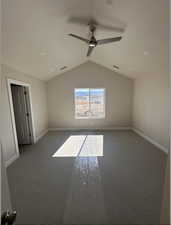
80, 38
90, 49
108, 40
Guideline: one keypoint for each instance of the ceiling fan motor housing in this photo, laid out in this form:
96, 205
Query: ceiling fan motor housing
93, 42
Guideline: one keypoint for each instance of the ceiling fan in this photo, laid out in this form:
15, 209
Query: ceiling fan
92, 43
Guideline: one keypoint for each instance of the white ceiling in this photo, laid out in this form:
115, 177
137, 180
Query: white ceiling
36, 41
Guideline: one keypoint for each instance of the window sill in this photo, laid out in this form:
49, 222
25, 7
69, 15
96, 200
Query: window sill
89, 118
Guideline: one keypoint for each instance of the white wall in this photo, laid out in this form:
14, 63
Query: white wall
39, 101
151, 107
119, 90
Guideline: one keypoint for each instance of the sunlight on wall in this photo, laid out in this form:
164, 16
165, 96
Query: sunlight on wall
81, 146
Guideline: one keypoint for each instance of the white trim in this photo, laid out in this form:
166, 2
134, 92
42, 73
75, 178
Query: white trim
115, 128
11, 160
41, 135
92, 128
9, 82
32, 114
149, 139
17, 82
12, 117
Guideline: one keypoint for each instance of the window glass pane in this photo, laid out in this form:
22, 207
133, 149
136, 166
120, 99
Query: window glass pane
82, 103
97, 102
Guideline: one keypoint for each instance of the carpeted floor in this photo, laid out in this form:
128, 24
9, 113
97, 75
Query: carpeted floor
109, 177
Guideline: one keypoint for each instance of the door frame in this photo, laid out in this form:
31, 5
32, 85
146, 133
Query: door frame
9, 82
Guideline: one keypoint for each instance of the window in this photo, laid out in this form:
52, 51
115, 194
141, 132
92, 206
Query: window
89, 103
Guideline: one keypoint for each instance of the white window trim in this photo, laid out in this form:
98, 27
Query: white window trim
91, 118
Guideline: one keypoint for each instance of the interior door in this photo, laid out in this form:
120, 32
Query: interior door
22, 114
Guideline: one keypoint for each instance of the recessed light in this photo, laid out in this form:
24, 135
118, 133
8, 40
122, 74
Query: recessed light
63, 68
115, 67
109, 2
43, 53
146, 53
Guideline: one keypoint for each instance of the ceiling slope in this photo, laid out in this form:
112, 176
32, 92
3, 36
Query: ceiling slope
36, 41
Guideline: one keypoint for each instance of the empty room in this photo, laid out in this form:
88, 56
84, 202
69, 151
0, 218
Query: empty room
84, 115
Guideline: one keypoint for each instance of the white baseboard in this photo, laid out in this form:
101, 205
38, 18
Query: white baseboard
82, 128
11, 160
150, 140
41, 135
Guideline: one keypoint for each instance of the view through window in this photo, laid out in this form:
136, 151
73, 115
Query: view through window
89, 103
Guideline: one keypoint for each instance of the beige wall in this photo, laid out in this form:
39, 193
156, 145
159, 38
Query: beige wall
151, 107
39, 102
119, 90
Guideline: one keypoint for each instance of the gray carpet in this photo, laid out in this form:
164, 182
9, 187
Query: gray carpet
124, 186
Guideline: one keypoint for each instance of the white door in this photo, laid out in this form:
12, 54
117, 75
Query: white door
22, 114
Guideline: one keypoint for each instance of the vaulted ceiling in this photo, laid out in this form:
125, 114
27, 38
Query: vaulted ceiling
36, 41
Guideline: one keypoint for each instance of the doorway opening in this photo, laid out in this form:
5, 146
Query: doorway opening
21, 114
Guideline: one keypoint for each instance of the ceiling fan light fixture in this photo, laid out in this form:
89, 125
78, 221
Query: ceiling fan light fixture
92, 45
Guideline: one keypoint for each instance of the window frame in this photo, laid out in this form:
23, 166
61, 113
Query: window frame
89, 117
